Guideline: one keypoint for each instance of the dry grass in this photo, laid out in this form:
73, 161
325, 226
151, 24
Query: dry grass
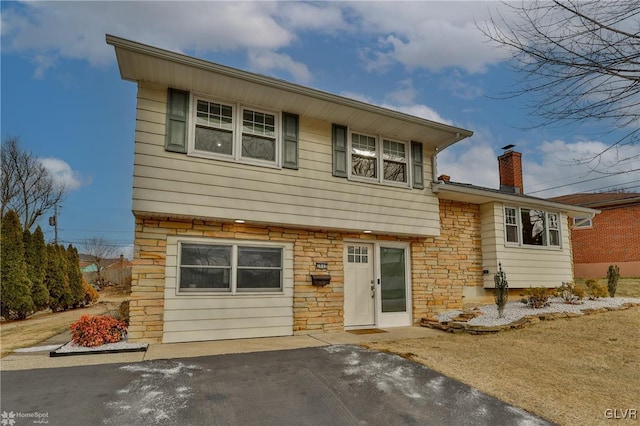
44, 325
568, 371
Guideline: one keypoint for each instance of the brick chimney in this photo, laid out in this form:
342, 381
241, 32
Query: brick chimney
510, 166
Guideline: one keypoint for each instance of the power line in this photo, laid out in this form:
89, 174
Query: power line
583, 181
617, 187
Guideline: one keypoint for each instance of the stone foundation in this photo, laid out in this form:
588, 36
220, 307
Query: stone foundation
440, 267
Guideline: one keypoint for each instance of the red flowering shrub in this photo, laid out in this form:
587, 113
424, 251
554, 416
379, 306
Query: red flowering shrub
98, 330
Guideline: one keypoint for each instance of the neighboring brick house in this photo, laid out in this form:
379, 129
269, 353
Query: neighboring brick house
265, 208
610, 238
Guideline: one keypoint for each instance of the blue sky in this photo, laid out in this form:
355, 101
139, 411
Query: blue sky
63, 96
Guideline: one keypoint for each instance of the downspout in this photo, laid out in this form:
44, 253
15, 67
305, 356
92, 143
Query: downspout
434, 166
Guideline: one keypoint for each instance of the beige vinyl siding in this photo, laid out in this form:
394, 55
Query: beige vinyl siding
208, 316
177, 184
525, 266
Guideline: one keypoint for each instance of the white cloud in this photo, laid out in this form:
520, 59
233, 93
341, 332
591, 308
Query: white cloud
326, 17
418, 110
553, 166
429, 35
63, 174
562, 169
266, 61
471, 161
404, 94
77, 29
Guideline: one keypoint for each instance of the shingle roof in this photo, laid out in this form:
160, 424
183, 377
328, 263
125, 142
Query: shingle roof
599, 200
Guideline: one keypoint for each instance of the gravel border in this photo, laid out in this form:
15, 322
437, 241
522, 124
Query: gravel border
515, 311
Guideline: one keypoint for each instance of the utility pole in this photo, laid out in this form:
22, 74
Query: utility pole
53, 221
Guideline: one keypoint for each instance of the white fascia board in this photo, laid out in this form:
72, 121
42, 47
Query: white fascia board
442, 189
119, 43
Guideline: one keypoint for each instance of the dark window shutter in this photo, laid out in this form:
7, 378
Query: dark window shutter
339, 139
290, 135
177, 118
418, 165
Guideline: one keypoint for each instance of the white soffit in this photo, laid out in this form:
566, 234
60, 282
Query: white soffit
146, 64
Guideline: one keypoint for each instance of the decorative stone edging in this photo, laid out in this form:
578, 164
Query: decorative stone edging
460, 323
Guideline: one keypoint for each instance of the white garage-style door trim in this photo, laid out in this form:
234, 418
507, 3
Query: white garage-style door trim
377, 284
227, 289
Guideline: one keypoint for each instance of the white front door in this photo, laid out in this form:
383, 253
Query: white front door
359, 288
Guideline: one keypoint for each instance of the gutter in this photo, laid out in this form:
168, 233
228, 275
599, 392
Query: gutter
121, 43
491, 195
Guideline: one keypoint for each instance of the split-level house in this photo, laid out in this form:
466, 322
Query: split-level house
266, 208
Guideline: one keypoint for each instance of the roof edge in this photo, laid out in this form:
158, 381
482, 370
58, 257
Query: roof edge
493, 195
118, 42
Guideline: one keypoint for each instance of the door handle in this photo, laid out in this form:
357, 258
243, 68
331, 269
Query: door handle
373, 291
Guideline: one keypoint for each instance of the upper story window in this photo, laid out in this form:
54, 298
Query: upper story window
370, 154
531, 227
394, 161
235, 131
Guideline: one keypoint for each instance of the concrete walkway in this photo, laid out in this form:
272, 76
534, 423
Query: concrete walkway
38, 357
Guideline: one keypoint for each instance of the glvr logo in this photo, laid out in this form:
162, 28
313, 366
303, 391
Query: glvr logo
620, 413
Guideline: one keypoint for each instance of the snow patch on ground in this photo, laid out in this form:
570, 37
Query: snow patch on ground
514, 311
160, 390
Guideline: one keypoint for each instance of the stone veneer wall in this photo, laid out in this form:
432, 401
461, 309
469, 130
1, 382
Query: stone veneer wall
440, 267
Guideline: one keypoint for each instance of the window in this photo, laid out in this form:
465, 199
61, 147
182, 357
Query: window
394, 161
258, 135
214, 128
236, 132
511, 224
363, 156
582, 222
357, 254
531, 227
230, 268
370, 154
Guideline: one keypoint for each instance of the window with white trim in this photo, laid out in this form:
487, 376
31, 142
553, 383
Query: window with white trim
531, 227
511, 224
235, 132
370, 154
230, 268
582, 222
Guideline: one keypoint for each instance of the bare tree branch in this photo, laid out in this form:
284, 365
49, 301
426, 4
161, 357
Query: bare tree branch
579, 61
26, 185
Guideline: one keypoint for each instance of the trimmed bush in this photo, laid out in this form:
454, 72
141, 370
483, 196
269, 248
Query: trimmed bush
93, 331
595, 290
613, 275
123, 312
90, 294
501, 290
570, 293
538, 297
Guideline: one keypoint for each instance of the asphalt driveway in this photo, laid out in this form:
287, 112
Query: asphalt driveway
333, 385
